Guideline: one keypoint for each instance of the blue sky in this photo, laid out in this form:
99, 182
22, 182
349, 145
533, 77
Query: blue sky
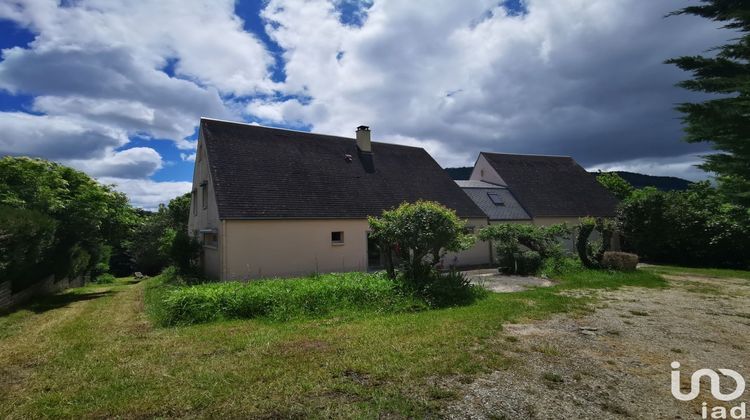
117, 89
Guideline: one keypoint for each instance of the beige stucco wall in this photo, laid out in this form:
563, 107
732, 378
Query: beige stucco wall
266, 248
546, 221
479, 254
285, 248
205, 218
483, 171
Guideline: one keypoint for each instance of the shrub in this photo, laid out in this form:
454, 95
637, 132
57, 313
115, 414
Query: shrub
553, 267
591, 253
529, 262
281, 299
522, 248
447, 289
622, 261
184, 251
105, 278
419, 234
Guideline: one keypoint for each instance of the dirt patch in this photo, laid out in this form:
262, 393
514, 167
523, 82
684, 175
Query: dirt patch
492, 280
615, 362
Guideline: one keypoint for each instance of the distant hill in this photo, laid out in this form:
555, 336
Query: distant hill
664, 183
460, 173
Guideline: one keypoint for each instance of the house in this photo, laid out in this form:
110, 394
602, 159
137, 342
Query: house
537, 189
271, 202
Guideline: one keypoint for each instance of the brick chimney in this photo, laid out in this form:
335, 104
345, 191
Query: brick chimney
363, 139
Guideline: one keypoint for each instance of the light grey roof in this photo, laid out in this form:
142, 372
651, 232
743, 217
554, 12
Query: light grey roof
476, 184
511, 210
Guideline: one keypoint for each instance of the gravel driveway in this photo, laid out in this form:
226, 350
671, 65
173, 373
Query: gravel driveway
492, 280
615, 361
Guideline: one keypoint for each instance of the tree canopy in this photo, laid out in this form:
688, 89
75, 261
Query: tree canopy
725, 119
63, 221
615, 184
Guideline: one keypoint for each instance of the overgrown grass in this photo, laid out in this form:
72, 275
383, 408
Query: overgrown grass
98, 355
708, 272
172, 302
283, 299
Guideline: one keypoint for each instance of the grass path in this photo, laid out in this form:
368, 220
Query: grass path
92, 352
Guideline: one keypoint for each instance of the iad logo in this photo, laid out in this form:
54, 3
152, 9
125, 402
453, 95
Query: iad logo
738, 412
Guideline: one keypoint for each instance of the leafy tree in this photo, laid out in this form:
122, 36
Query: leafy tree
89, 217
419, 234
147, 248
520, 248
615, 184
724, 121
161, 238
26, 242
693, 227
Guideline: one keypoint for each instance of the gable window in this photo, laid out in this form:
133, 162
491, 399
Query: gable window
198, 153
496, 199
204, 194
194, 200
337, 238
210, 238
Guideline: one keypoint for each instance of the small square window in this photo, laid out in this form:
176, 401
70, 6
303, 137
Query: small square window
496, 199
210, 239
337, 238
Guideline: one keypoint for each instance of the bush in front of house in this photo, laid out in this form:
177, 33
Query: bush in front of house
522, 249
443, 289
282, 299
418, 235
621, 261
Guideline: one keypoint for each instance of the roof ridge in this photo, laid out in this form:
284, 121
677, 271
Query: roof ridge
524, 154
311, 133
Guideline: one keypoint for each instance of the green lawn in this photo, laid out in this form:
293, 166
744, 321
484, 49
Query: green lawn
93, 352
710, 272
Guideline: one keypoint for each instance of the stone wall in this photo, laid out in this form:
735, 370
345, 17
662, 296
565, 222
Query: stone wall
9, 300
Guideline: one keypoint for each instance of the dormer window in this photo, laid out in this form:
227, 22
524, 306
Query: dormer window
496, 199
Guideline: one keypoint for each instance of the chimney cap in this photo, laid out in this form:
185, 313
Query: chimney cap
363, 128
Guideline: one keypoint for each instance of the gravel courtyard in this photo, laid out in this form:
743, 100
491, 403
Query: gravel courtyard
615, 361
492, 280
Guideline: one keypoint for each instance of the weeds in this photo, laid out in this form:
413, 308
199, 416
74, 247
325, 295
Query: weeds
280, 300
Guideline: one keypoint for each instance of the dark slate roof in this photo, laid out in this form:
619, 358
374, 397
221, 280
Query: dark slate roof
479, 192
552, 185
267, 173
